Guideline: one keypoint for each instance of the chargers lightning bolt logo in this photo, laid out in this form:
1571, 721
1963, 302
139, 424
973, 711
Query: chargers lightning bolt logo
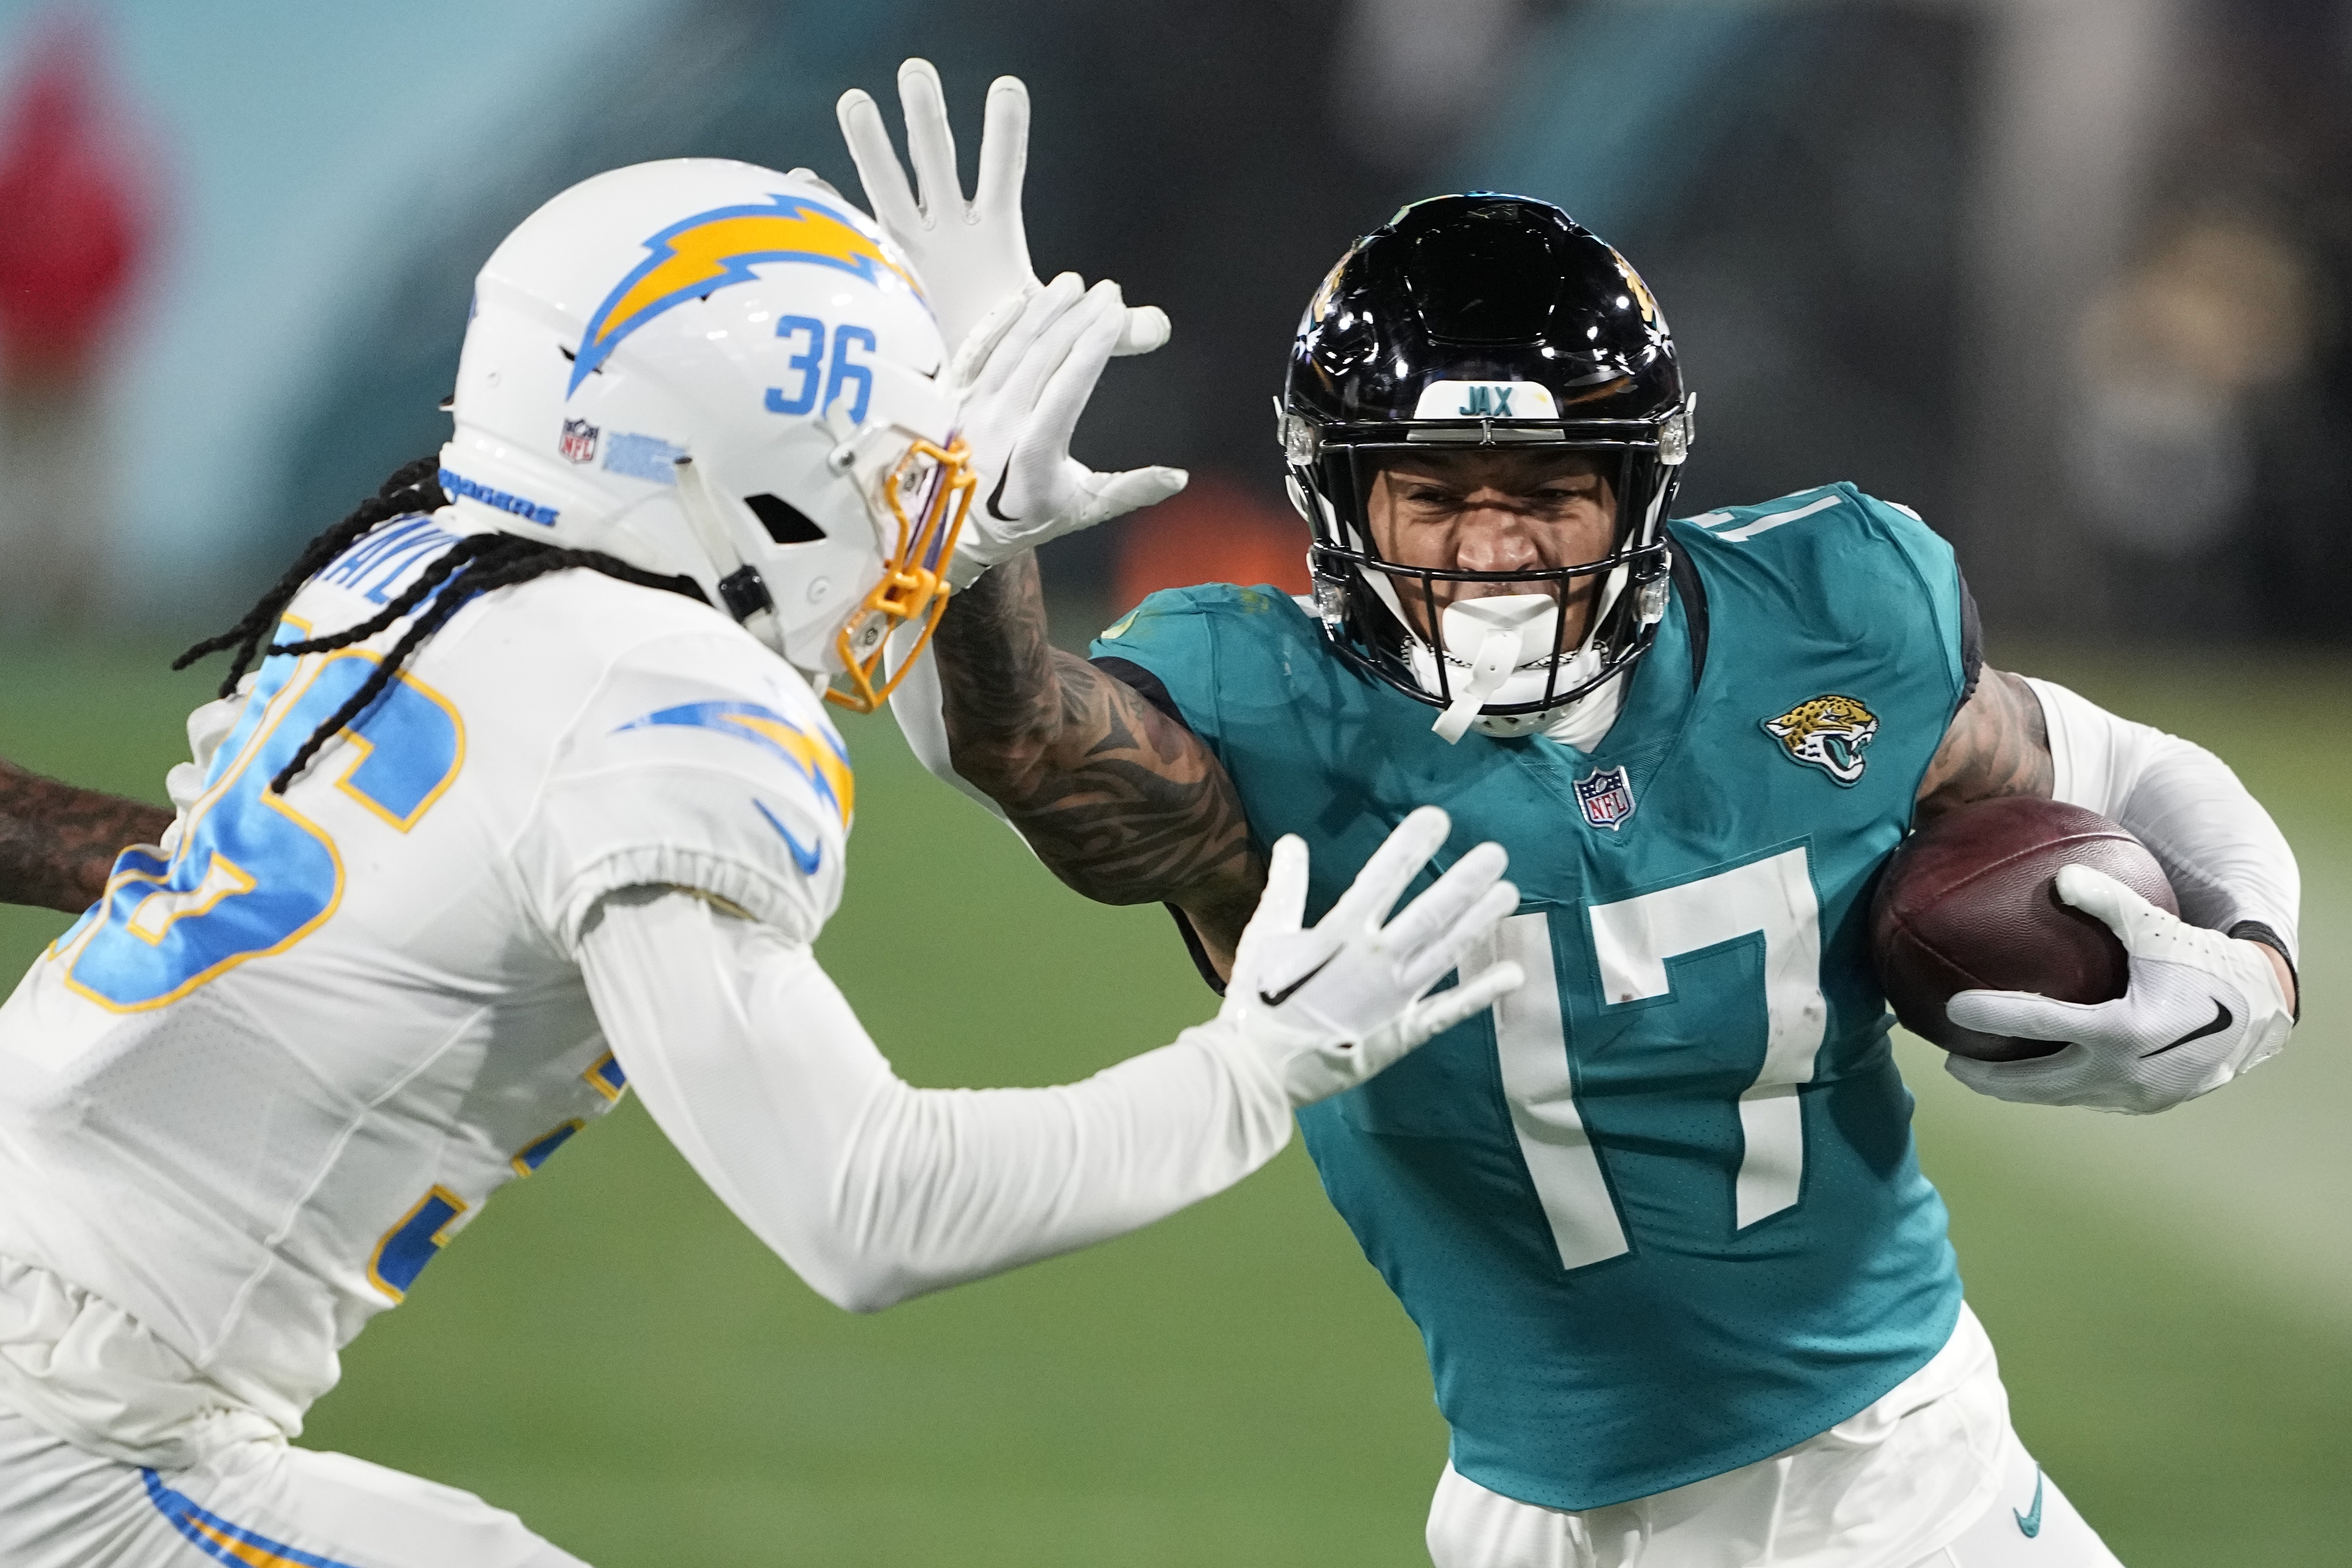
818, 758
710, 250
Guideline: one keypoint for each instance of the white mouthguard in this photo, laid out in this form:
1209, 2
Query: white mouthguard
1512, 633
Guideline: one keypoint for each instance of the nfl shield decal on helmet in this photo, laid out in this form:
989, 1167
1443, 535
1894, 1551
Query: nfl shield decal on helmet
1606, 798
1829, 732
579, 440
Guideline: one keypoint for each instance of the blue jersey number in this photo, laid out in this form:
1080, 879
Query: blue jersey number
1631, 941
253, 876
415, 1242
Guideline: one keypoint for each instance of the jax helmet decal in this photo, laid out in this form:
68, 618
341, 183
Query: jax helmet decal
696, 257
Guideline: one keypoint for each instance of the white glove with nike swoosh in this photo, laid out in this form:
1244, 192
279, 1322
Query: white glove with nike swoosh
970, 255
1325, 1007
1028, 371
2201, 1009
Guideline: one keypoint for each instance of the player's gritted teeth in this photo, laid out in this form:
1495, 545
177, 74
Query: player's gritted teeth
1488, 510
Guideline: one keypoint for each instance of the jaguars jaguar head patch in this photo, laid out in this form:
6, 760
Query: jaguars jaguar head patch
1829, 732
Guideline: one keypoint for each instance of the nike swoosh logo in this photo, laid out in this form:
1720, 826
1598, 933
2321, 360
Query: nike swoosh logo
1276, 998
2221, 1020
803, 857
2030, 1524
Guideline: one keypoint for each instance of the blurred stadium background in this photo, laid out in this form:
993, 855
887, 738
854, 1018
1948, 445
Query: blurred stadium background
2068, 275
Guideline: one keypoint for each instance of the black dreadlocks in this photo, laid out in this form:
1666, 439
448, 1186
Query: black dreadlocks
412, 487
477, 564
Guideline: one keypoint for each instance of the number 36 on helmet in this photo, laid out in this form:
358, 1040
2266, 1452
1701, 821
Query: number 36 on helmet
715, 371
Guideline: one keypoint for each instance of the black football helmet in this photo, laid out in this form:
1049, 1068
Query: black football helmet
1491, 320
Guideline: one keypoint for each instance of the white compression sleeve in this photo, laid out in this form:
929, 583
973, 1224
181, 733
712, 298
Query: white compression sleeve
2227, 860
752, 1062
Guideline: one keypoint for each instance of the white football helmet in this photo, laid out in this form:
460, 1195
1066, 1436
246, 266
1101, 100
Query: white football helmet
712, 370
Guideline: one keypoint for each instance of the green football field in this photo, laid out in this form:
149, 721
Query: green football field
608, 1354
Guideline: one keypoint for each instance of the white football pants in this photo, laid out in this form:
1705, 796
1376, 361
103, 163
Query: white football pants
263, 1505
1934, 1461
1470, 1527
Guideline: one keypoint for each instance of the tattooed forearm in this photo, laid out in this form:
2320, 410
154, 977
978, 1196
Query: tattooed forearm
1997, 745
1125, 804
996, 663
57, 842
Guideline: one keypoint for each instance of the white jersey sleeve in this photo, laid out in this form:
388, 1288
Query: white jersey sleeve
873, 1191
2225, 858
700, 762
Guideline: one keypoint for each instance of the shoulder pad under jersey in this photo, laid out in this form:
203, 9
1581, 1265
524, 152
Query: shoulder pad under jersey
701, 761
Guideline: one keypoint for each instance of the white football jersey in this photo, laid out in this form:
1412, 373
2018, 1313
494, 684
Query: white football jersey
248, 1096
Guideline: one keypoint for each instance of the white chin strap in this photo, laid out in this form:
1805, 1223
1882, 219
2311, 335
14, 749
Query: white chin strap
710, 524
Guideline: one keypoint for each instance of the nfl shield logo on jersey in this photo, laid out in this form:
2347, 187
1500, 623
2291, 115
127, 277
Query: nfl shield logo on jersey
1606, 797
579, 440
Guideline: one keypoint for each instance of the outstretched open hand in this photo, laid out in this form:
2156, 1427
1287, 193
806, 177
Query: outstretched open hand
973, 254
1330, 1005
1028, 369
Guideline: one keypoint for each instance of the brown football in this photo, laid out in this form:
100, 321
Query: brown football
1971, 901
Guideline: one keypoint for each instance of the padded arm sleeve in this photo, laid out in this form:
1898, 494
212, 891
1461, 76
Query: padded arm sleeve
2228, 860
873, 1191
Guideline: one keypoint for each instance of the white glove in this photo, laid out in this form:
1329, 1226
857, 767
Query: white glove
2201, 1009
1327, 1007
970, 255
1028, 369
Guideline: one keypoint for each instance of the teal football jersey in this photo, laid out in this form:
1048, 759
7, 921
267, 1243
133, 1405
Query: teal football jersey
1659, 1215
